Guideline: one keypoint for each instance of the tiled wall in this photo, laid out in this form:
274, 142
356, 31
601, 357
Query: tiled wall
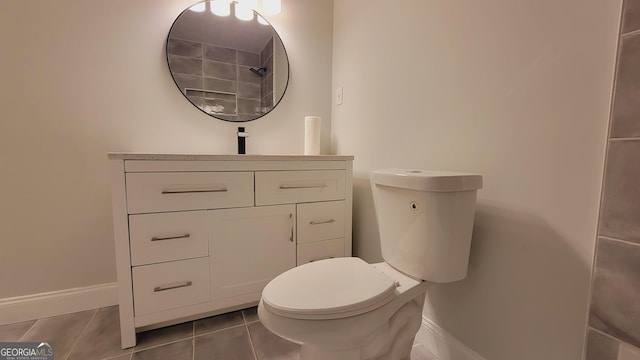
231, 90
614, 318
266, 85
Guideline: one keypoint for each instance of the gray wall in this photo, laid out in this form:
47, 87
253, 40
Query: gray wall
614, 317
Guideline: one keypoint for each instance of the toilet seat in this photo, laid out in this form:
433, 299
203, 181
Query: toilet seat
328, 289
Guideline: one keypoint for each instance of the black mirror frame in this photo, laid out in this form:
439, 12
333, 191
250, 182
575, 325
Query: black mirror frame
284, 91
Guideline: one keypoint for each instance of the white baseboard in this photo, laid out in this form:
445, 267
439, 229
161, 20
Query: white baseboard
36, 306
442, 344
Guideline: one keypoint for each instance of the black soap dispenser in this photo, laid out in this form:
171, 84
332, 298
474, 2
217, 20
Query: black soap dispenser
242, 142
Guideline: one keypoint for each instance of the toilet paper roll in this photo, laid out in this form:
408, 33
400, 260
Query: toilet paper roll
312, 126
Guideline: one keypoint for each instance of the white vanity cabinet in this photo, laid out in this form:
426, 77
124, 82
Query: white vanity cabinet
199, 235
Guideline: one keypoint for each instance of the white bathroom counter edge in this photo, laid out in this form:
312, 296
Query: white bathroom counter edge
230, 157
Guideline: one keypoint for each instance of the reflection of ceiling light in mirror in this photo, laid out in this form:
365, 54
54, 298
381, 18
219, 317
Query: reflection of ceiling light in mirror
199, 7
262, 21
271, 7
221, 7
253, 4
244, 11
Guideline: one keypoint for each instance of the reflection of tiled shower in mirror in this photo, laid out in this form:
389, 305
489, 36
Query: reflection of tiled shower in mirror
219, 79
230, 67
266, 85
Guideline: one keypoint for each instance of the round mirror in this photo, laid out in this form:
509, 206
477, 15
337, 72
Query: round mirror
227, 60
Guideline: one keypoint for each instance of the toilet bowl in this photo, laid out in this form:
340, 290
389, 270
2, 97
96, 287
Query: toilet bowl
347, 309
343, 308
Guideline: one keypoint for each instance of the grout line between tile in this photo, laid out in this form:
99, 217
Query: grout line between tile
84, 331
625, 139
29, 329
253, 350
247, 321
630, 34
193, 341
158, 345
619, 240
215, 331
117, 356
605, 334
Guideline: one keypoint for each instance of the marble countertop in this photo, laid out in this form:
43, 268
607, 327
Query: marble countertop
227, 157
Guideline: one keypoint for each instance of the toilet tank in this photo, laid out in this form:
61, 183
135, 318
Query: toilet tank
425, 220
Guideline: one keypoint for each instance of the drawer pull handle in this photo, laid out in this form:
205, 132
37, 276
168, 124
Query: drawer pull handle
156, 238
322, 222
289, 187
165, 192
170, 287
321, 258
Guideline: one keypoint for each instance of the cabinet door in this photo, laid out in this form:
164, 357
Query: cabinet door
249, 247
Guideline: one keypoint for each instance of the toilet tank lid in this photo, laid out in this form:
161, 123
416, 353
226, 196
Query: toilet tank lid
427, 180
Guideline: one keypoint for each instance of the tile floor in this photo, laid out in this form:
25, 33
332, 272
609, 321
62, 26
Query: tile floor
95, 335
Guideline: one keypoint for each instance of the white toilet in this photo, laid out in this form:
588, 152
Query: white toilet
346, 309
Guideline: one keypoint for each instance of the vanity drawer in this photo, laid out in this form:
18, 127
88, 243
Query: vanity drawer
157, 192
170, 285
320, 250
320, 221
165, 237
285, 187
